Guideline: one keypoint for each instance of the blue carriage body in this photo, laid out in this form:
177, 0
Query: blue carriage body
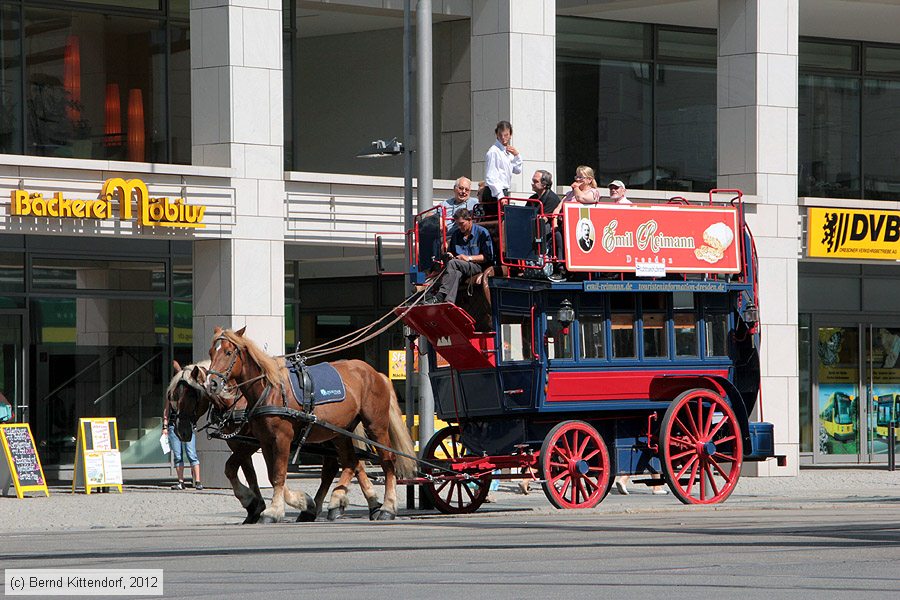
612, 349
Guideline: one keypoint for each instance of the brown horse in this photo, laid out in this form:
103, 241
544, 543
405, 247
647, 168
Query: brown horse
370, 400
191, 403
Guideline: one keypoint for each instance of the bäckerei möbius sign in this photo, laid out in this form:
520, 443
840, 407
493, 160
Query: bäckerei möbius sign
153, 212
853, 234
627, 238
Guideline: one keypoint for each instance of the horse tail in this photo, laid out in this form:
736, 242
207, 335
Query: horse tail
361, 432
400, 440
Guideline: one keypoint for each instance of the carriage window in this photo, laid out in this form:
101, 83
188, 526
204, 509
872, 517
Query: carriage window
716, 329
656, 342
559, 341
592, 336
686, 334
515, 337
622, 322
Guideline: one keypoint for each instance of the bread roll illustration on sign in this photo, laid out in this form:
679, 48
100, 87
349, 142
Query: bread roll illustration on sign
716, 240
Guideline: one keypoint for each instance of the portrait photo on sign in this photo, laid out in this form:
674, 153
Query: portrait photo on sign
585, 234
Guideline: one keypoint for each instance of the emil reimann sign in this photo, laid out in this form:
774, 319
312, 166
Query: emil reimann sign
163, 212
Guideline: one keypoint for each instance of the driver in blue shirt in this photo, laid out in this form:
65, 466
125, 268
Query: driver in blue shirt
470, 250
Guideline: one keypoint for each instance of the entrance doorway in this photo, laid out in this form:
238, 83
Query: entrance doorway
856, 389
12, 362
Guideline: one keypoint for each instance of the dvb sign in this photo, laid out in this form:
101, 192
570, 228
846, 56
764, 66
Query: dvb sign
853, 234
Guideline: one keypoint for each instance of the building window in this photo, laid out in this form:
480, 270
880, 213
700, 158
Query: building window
110, 81
341, 59
638, 103
849, 92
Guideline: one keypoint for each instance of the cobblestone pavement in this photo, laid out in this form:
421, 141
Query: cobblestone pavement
155, 505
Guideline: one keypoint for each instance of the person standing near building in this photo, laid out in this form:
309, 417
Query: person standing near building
501, 161
190, 448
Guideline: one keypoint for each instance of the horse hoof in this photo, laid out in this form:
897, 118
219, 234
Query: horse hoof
265, 519
374, 512
335, 513
386, 516
253, 511
306, 517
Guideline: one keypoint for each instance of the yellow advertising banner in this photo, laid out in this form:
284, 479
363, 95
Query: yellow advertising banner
853, 234
397, 364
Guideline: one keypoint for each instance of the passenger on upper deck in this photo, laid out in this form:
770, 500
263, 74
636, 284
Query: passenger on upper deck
617, 192
584, 188
542, 185
585, 191
470, 250
461, 199
501, 161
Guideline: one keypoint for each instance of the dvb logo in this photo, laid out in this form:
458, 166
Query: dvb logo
858, 227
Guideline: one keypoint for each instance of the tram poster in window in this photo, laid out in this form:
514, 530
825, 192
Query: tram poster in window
21, 464
97, 460
838, 400
884, 406
652, 240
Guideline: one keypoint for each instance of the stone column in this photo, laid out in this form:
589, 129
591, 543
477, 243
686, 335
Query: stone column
514, 79
758, 153
237, 119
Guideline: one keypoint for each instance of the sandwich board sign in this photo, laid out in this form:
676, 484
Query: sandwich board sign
22, 465
97, 460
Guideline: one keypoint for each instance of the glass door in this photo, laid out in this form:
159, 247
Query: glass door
883, 376
12, 362
836, 397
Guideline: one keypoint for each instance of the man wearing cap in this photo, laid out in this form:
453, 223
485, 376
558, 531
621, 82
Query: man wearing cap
617, 192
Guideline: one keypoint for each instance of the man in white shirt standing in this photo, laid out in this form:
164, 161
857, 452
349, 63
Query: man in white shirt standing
501, 161
617, 192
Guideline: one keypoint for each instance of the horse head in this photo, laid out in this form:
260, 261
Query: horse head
226, 360
187, 398
239, 366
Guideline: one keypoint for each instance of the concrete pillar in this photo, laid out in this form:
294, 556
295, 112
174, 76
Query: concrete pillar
237, 120
514, 78
758, 153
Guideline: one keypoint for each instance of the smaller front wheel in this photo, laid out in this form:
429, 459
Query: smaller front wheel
575, 466
452, 496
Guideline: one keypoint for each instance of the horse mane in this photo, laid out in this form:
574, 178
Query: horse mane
185, 375
274, 370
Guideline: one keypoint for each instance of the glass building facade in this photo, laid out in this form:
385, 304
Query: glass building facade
636, 102
96, 79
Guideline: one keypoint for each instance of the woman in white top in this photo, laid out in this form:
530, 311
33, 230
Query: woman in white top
501, 161
584, 189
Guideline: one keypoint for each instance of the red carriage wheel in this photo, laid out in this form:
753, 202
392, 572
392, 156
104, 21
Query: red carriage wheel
575, 466
700, 442
452, 496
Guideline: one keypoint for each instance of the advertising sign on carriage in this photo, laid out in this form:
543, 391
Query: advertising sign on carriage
652, 241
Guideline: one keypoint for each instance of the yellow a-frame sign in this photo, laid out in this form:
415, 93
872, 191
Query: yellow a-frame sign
97, 460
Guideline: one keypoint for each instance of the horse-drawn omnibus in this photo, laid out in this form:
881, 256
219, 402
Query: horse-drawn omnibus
644, 361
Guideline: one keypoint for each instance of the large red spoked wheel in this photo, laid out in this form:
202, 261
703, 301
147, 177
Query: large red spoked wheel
575, 466
700, 441
451, 496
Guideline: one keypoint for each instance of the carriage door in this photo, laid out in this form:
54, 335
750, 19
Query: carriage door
12, 362
836, 393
